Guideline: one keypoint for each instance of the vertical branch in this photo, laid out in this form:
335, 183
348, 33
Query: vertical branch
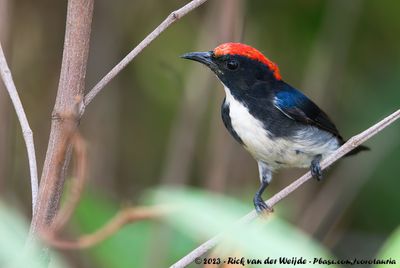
70, 89
5, 74
5, 109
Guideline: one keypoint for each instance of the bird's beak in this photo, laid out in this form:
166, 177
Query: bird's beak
203, 57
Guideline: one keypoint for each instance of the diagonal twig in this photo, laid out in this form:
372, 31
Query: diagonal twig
6, 76
173, 17
344, 149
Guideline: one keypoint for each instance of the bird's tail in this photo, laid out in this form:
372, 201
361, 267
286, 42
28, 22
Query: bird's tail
357, 150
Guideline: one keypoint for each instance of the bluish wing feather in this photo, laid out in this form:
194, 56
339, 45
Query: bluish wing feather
297, 106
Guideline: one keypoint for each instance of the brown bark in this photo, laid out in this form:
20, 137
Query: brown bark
70, 93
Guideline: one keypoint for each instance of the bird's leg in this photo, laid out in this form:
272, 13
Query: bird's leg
265, 178
315, 168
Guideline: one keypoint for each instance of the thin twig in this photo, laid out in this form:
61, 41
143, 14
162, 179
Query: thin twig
344, 149
122, 218
5, 74
173, 17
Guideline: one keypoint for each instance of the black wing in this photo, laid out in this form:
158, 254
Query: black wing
299, 107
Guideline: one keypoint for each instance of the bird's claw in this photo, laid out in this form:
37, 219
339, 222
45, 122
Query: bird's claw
261, 206
315, 169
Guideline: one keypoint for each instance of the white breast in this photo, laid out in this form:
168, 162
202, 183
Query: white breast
276, 152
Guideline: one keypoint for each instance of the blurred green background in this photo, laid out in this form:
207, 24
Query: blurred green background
158, 122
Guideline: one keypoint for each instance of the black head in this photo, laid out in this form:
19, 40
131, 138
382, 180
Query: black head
238, 66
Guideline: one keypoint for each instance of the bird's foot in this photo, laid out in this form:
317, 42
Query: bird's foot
261, 207
315, 168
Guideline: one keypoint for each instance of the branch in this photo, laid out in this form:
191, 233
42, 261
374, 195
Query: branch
173, 17
344, 149
5, 74
68, 101
65, 213
122, 218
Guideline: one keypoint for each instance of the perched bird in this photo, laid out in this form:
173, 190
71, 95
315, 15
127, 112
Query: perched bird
276, 123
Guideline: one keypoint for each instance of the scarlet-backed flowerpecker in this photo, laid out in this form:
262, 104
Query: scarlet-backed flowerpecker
276, 123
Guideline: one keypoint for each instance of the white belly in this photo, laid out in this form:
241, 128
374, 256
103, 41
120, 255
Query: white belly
276, 152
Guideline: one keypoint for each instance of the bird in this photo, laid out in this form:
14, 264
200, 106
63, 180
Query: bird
276, 123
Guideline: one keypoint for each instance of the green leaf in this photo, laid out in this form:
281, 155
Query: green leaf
202, 215
13, 232
127, 248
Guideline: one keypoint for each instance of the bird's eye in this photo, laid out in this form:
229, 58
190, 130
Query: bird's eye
232, 64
